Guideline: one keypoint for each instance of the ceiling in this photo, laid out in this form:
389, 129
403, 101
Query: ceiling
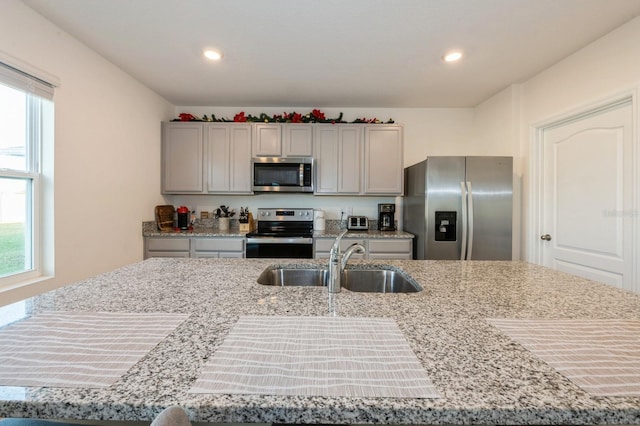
335, 53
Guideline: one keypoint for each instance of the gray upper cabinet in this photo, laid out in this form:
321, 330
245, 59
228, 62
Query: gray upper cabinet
297, 140
383, 160
267, 140
338, 156
182, 147
282, 140
215, 154
228, 158
215, 158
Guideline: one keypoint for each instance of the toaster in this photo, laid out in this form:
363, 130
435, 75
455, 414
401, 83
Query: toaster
358, 223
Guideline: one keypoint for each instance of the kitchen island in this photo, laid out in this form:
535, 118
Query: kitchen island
482, 375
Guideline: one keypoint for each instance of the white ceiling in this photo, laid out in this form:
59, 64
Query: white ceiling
335, 53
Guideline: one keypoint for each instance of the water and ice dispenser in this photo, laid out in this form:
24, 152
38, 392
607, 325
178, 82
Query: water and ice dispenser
445, 224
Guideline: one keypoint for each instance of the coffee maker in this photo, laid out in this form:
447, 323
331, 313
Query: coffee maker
386, 217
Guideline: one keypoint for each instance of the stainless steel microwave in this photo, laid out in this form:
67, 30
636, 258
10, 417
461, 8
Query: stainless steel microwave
283, 174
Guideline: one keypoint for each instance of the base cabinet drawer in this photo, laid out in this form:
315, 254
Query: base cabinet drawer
322, 247
166, 247
167, 244
219, 244
200, 247
218, 255
219, 247
391, 256
183, 254
391, 248
377, 248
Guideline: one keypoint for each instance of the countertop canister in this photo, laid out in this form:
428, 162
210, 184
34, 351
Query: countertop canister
319, 221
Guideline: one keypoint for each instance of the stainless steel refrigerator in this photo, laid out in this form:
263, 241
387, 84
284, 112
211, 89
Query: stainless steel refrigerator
460, 207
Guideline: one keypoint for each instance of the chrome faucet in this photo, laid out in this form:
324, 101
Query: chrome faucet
338, 261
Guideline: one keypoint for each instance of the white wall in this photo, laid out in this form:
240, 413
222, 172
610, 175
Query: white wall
496, 132
107, 151
605, 68
602, 70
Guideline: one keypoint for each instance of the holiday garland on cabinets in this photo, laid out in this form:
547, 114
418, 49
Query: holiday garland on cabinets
315, 116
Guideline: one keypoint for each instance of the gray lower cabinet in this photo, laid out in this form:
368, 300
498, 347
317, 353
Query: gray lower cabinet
393, 248
218, 247
377, 248
194, 247
231, 247
322, 247
166, 247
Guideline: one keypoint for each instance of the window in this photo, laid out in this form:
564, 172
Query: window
26, 112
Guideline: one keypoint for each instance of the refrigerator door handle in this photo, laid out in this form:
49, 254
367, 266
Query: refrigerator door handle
463, 240
470, 214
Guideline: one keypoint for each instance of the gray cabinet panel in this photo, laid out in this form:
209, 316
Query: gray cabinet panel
182, 165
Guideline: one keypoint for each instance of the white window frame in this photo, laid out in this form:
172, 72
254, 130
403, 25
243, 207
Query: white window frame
38, 93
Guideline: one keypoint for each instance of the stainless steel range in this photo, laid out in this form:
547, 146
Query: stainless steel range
282, 233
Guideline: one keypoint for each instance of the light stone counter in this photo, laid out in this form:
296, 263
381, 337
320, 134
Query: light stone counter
149, 229
483, 376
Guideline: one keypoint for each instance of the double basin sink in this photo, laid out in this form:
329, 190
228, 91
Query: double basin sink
379, 280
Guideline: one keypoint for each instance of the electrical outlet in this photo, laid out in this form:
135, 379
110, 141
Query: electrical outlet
349, 211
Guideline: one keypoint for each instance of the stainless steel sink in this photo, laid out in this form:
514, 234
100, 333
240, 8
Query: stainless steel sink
293, 277
359, 280
378, 281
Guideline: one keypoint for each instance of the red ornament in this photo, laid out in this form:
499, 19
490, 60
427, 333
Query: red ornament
240, 117
317, 114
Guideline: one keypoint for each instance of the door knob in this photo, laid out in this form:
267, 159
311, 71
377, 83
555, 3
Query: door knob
545, 237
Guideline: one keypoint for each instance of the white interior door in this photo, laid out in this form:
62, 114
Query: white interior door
588, 182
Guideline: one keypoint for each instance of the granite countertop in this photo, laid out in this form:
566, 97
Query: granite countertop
150, 229
483, 376
371, 233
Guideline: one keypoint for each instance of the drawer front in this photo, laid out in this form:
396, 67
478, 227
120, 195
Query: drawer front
181, 254
391, 256
230, 255
168, 244
206, 254
325, 244
326, 254
219, 244
390, 246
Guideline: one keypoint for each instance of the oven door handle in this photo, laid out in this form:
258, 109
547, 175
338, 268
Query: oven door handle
279, 240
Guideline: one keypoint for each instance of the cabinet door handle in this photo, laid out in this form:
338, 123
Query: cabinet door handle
545, 237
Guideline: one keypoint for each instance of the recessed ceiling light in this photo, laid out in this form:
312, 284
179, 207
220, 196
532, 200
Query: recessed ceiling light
452, 56
214, 55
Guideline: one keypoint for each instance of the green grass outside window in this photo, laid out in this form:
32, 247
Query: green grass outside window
11, 248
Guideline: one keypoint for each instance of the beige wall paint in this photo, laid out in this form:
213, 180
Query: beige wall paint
597, 73
107, 151
496, 132
604, 69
